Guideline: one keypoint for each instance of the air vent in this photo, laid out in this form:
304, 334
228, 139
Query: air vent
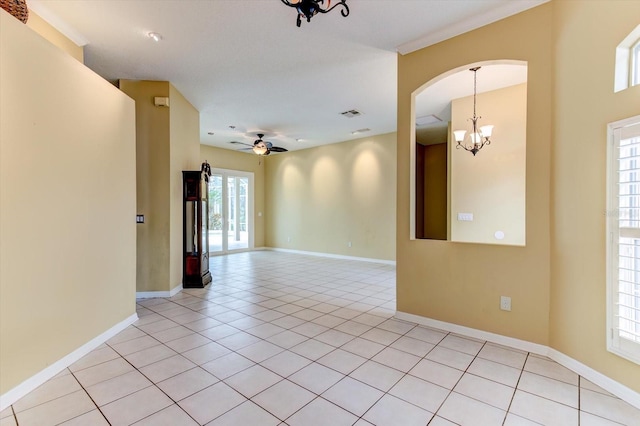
427, 119
357, 132
351, 113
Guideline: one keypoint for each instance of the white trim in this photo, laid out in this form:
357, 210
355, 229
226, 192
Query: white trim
621, 391
226, 173
331, 255
480, 20
606, 383
522, 345
151, 294
624, 61
52, 370
617, 345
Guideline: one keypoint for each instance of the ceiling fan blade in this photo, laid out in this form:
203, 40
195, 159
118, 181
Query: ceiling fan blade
241, 143
278, 149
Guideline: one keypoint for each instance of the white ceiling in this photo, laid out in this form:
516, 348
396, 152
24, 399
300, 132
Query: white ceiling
244, 63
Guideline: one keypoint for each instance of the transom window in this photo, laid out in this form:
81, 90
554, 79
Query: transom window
635, 64
627, 69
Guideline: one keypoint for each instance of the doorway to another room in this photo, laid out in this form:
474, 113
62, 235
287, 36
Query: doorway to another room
230, 194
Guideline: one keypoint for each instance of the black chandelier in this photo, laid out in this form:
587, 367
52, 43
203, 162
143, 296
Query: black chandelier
479, 136
308, 8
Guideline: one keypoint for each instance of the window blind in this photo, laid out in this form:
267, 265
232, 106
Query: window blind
624, 285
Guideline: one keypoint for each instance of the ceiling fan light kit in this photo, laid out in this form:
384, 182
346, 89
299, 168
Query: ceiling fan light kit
309, 8
260, 146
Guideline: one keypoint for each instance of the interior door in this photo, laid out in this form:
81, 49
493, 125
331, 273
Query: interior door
230, 211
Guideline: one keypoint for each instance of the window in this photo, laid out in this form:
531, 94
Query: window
635, 64
623, 244
627, 67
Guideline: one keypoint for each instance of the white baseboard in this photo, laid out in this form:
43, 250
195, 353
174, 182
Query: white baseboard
621, 391
522, 345
151, 294
51, 371
332, 256
606, 383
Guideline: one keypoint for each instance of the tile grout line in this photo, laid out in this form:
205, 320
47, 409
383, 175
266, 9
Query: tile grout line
152, 384
516, 389
90, 397
371, 358
458, 381
245, 295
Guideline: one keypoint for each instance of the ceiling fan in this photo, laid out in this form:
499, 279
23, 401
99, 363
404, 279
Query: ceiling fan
260, 147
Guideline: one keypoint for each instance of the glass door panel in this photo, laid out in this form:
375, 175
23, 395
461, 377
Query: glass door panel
237, 191
216, 220
230, 198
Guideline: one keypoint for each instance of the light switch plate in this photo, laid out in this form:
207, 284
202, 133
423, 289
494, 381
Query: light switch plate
465, 217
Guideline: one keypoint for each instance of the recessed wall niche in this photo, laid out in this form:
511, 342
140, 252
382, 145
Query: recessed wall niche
457, 196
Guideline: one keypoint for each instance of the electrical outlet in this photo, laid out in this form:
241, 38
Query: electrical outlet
349, 244
288, 239
505, 303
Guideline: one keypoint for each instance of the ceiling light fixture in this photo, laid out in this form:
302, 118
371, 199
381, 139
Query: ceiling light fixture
479, 136
260, 148
308, 8
155, 36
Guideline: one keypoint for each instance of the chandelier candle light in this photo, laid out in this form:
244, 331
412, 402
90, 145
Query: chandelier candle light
479, 136
309, 8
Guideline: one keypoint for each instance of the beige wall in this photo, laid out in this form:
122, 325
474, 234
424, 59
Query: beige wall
43, 28
152, 181
245, 162
584, 104
462, 283
168, 141
323, 198
491, 184
67, 200
557, 281
184, 130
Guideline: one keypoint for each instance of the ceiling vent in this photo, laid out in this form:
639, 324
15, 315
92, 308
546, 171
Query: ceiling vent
351, 113
425, 120
357, 132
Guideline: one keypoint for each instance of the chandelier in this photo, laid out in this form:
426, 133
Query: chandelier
479, 137
308, 8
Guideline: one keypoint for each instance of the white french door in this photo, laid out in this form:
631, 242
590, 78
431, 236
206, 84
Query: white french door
230, 211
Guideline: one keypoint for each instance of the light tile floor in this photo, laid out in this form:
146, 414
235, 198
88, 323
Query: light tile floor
287, 339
